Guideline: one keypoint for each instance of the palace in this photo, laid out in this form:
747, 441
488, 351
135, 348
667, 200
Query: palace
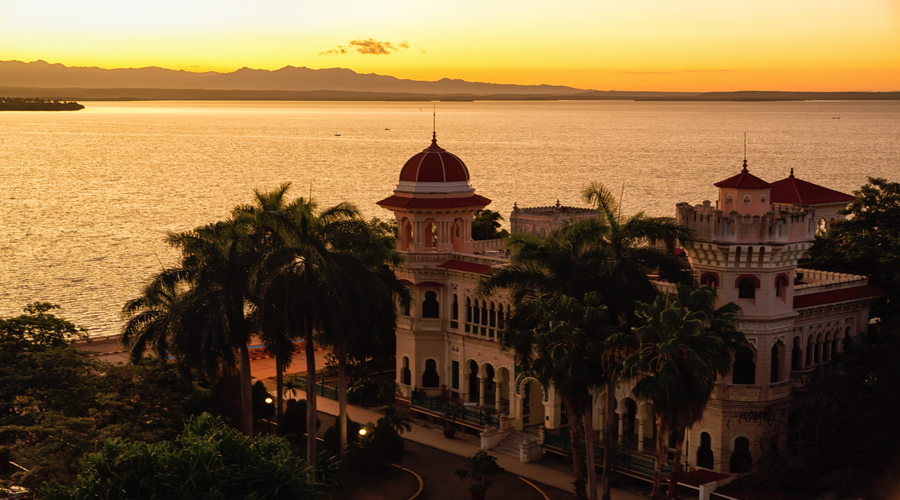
747, 246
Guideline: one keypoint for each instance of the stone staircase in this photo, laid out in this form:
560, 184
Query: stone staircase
510, 444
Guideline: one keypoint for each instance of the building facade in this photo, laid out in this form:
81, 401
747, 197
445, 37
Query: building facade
747, 246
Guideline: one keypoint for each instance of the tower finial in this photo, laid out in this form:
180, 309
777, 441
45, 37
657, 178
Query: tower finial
745, 149
792, 172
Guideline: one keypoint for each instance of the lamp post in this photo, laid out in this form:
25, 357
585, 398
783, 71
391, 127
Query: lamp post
269, 418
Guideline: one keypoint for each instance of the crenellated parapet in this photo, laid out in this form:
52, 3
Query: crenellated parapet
782, 227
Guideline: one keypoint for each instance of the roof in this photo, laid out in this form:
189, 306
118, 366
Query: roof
698, 477
473, 200
797, 191
743, 180
839, 295
467, 267
434, 164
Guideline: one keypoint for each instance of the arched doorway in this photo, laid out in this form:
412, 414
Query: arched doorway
705, 456
741, 460
532, 400
474, 392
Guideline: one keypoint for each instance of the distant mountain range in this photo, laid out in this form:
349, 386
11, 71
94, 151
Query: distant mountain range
40, 79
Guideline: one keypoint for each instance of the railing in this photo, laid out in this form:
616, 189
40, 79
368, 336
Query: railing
626, 462
461, 414
816, 281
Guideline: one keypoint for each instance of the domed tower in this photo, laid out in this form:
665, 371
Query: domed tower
434, 203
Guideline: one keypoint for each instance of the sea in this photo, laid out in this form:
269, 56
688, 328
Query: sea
87, 197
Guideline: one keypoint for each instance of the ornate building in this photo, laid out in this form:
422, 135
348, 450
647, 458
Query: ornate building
747, 246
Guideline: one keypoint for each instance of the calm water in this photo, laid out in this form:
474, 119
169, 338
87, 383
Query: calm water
86, 197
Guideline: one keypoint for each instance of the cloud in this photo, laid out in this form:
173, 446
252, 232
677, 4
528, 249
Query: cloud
368, 46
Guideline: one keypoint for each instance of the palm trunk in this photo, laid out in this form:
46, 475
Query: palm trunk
676, 467
576, 432
661, 442
342, 395
279, 387
608, 436
310, 396
246, 390
188, 377
589, 440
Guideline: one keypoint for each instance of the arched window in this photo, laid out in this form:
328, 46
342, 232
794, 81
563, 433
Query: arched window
705, 457
775, 376
737, 257
405, 374
741, 460
781, 287
747, 288
468, 310
493, 318
476, 313
454, 311
710, 279
500, 323
809, 351
430, 306
762, 255
826, 348
749, 256
431, 378
796, 355
817, 355
744, 367
484, 313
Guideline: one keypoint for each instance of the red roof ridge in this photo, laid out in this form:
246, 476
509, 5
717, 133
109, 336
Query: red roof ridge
743, 180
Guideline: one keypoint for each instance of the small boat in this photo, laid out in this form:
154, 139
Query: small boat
337, 135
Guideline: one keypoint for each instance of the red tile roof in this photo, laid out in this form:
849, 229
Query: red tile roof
743, 180
474, 201
839, 295
793, 190
700, 476
468, 267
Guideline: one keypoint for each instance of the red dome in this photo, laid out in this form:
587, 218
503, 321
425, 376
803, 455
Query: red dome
434, 164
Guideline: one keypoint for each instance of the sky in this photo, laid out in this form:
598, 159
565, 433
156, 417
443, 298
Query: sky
689, 45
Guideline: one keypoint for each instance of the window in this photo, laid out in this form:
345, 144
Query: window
430, 306
454, 377
454, 312
405, 374
776, 362
468, 310
781, 287
747, 288
744, 367
741, 460
493, 319
796, 355
747, 199
710, 279
728, 199
431, 378
705, 456
762, 199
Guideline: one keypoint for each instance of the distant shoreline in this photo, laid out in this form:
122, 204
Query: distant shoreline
146, 94
37, 104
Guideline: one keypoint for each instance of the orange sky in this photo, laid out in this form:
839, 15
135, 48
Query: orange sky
693, 45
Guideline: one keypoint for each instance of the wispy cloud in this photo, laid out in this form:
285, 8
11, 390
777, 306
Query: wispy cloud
368, 46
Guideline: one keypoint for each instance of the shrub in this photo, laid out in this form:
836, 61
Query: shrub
294, 419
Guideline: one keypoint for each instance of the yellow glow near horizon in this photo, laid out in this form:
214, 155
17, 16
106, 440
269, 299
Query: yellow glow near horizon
696, 45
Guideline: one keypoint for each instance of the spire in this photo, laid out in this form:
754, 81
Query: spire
792, 173
745, 166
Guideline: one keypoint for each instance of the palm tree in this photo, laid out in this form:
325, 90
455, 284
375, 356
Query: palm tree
610, 255
681, 353
216, 265
568, 352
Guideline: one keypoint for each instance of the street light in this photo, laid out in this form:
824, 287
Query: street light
269, 420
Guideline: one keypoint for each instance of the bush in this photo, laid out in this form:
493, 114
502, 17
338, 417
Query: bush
382, 443
332, 436
294, 419
209, 460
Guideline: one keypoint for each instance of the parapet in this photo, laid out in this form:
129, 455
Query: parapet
793, 225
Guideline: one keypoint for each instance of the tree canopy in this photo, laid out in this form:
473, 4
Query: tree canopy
486, 225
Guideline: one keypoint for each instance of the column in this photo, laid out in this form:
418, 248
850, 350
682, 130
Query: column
640, 423
621, 426
480, 391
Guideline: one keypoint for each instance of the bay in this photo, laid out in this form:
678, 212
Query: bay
86, 197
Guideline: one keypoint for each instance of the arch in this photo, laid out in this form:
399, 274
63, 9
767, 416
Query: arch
484, 313
737, 257
775, 367
476, 313
796, 355
406, 234
429, 234
747, 285
454, 308
456, 235
781, 283
741, 460
493, 316
817, 354
744, 371
749, 256
405, 373
629, 416
762, 256
468, 310
826, 348
430, 377
500, 324
474, 386
533, 395
705, 456
709, 279
431, 308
